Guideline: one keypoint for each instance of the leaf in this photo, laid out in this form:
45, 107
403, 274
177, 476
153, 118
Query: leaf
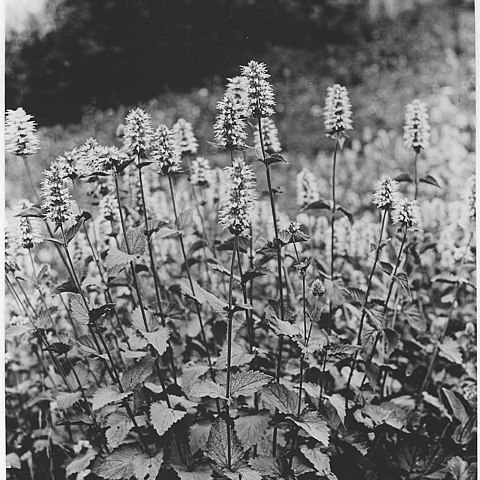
450, 350
338, 403
147, 468
96, 313
278, 396
430, 179
247, 383
242, 473
403, 279
66, 400
456, 405
274, 158
315, 426
357, 294
137, 243
158, 339
13, 461
16, 331
317, 205
78, 310
250, 429
445, 278
201, 295
391, 340
198, 437
166, 232
414, 317
184, 220
67, 286
319, 460
201, 472
404, 177
104, 396
191, 375
347, 214
117, 258
163, 417
119, 425
252, 273
386, 267
119, 464
137, 373
79, 464
217, 445
240, 356
73, 230
207, 388
267, 466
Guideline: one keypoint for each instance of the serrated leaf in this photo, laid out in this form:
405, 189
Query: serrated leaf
207, 388
73, 230
456, 405
119, 464
266, 466
403, 279
184, 220
147, 468
119, 425
247, 383
252, 273
67, 286
414, 317
78, 310
250, 429
163, 417
217, 445
104, 396
137, 373
66, 400
391, 340
279, 396
191, 375
198, 437
158, 339
240, 356
386, 267
242, 473
319, 460
404, 177
357, 294
137, 243
117, 258
315, 426
274, 158
80, 463
201, 295
430, 179
201, 472
338, 403
450, 350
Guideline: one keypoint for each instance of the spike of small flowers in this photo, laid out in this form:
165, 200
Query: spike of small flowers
200, 172
230, 124
386, 194
11, 250
306, 188
237, 210
407, 214
28, 227
260, 94
164, 151
93, 158
470, 197
21, 136
185, 137
57, 201
137, 132
318, 288
338, 111
416, 129
270, 139
237, 88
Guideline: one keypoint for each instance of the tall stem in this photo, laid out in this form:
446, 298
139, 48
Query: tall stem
416, 175
393, 277
334, 207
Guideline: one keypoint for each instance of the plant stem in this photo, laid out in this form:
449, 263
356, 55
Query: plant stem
248, 313
416, 175
334, 207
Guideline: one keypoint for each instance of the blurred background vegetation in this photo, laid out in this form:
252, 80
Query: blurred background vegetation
79, 65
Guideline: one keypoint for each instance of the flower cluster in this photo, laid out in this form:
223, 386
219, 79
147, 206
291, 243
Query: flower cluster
416, 129
164, 151
407, 214
185, 137
21, 136
386, 194
270, 139
261, 98
338, 111
200, 172
237, 88
11, 250
238, 206
470, 197
137, 132
230, 124
306, 189
318, 288
57, 201
28, 227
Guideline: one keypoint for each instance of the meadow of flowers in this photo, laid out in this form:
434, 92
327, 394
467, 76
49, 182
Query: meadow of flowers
171, 319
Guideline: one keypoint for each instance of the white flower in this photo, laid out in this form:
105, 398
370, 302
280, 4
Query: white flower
386, 194
28, 227
200, 172
306, 189
11, 250
407, 214
20, 133
230, 124
260, 94
318, 288
470, 197
164, 151
237, 88
338, 111
270, 139
185, 137
57, 201
238, 207
416, 129
137, 132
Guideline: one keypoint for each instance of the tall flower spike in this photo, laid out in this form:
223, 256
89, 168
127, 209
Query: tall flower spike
94, 158
470, 197
416, 129
185, 137
338, 111
238, 207
21, 136
230, 124
386, 194
237, 88
137, 133
269, 137
164, 151
306, 188
407, 214
28, 227
57, 201
11, 250
260, 94
200, 172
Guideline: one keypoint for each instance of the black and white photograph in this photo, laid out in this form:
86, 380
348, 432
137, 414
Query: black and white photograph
240, 240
